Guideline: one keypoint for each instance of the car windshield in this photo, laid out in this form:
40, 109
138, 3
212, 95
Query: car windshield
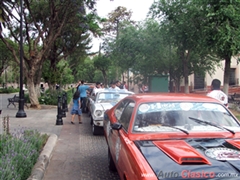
110, 96
195, 117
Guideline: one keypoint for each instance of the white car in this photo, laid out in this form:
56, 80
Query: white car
104, 99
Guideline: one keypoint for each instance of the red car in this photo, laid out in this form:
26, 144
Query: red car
172, 136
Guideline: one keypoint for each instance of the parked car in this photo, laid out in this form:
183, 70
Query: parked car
98, 104
172, 136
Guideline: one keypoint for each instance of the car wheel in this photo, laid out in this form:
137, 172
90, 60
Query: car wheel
91, 120
95, 129
111, 164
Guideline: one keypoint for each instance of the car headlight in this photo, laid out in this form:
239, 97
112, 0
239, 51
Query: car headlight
98, 113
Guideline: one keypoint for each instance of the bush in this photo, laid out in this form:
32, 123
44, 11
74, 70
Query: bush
51, 97
19, 153
9, 90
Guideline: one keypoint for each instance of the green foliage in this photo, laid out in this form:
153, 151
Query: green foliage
222, 26
62, 74
5, 56
86, 71
70, 95
52, 31
9, 90
103, 63
50, 97
19, 152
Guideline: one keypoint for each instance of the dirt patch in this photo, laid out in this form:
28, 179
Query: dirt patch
43, 106
47, 106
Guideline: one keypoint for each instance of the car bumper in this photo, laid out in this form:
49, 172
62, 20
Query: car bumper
98, 123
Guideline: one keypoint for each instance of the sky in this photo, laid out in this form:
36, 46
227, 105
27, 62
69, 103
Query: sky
139, 10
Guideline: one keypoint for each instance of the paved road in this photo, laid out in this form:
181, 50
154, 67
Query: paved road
77, 155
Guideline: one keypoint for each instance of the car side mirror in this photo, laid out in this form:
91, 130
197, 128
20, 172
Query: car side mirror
116, 126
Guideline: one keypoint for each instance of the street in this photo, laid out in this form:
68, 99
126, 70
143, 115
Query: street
79, 155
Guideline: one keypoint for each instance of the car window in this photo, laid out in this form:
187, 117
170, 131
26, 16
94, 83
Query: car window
159, 116
111, 96
119, 109
126, 115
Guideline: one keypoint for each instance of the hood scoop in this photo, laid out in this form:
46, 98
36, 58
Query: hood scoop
181, 152
235, 143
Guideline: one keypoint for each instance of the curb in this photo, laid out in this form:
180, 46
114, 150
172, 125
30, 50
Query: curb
44, 158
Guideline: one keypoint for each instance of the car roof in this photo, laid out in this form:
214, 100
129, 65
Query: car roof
117, 91
172, 97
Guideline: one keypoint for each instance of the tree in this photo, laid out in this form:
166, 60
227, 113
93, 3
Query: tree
5, 9
103, 63
116, 20
183, 22
74, 40
86, 70
44, 22
222, 30
5, 56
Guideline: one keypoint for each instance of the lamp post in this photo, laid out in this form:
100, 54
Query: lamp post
21, 113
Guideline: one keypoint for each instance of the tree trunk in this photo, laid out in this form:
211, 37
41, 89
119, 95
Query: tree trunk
177, 85
186, 72
33, 96
171, 81
105, 78
37, 89
226, 74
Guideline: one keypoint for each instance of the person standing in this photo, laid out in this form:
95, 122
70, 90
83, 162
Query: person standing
76, 109
114, 86
216, 92
83, 94
141, 89
118, 84
125, 86
97, 88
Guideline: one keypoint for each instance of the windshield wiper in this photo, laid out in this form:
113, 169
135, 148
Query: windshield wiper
183, 130
211, 124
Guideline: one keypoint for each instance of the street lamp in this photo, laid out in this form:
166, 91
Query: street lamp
21, 113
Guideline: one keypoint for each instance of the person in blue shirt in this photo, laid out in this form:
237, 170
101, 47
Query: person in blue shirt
76, 108
83, 94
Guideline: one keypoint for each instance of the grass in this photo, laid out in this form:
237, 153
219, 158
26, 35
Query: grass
19, 152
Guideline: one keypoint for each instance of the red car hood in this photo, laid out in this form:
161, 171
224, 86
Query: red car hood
202, 158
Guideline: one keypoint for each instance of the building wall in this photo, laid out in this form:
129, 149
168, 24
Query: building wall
219, 74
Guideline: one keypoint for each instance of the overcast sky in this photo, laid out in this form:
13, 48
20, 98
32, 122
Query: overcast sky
138, 7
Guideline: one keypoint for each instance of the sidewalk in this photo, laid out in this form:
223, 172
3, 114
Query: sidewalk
72, 152
44, 121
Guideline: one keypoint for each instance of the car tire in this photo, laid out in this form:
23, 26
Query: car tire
91, 120
111, 164
96, 130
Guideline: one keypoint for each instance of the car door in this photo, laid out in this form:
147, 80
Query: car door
120, 138
112, 134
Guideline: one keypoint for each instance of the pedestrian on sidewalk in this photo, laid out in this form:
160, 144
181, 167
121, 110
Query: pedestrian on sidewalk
83, 94
76, 108
217, 93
